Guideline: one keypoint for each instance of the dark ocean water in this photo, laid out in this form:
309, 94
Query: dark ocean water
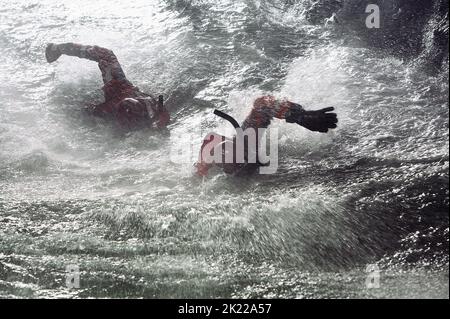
73, 191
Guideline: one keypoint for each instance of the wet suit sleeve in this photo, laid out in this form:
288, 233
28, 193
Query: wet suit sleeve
267, 107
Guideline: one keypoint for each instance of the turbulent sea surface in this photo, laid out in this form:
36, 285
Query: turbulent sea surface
74, 191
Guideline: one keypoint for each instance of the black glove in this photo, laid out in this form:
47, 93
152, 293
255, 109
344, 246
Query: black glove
316, 121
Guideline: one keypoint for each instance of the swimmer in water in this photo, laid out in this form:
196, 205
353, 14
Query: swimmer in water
124, 102
264, 110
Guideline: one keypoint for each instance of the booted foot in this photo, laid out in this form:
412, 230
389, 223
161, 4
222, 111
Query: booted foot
52, 52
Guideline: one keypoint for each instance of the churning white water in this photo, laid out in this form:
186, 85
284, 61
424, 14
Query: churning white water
75, 191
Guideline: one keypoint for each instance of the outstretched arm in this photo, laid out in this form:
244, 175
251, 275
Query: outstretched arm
107, 60
268, 107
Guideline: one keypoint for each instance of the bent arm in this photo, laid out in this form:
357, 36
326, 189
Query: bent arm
106, 59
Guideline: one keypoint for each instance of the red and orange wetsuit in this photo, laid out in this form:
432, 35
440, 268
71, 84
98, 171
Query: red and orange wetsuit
264, 110
123, 101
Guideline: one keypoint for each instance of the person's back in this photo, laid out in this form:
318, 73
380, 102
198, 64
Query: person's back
123, 101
